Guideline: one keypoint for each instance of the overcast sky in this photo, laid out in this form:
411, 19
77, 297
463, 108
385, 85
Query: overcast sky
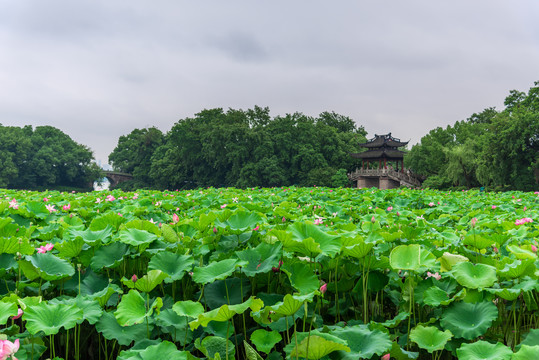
97, 69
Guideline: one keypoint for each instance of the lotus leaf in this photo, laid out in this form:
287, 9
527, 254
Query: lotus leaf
430, 338
251, 353
226, 312
132, 309
314, 346
301, 277
149, 281
469, 320
241, 221
162, 350
7, 310
363, 342
474, 276
136, 237
481, 350
448, 260
109, 256
215, 347
405, 257
218, 270
527, 352
265, 340
51, 267
188, 308
50, 318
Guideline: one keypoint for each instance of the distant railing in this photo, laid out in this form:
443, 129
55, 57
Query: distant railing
404, 176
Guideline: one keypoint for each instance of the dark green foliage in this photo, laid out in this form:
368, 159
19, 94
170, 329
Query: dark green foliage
498, 150
44, 157
242, 149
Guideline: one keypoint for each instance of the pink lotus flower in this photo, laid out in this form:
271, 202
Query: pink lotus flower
494, 207
66, 207
318, 221
323, 288
19, 314
45, 199
256, 228
8, 349
435, 275
390, 208
494, 248
386, 357
523, 221
284, 219
214, 230
13, 204
41, 250
431, 204
223, 206
134, 278
110, 198
48, 247
50, 208
534, 248
175, 218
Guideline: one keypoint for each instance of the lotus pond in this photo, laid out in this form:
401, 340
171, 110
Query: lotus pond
282, 273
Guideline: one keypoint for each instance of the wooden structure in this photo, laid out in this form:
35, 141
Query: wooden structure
380, 164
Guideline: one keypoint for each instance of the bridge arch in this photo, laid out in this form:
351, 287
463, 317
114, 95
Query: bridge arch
115, 177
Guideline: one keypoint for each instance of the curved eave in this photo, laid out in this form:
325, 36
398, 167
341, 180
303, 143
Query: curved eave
379, 154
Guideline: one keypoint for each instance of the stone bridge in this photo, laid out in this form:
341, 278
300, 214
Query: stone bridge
383, 178
115, 177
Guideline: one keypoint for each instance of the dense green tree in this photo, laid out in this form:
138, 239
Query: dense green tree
44, 157
491, 148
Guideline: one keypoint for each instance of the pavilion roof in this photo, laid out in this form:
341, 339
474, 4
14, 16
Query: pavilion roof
386, 140
387, 153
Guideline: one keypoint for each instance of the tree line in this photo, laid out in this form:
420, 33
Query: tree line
240, 148
44, 158
494, 149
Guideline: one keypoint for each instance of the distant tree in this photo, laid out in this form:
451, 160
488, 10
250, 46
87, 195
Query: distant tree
44, 158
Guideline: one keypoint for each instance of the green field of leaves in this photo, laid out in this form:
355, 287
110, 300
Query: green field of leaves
280, 273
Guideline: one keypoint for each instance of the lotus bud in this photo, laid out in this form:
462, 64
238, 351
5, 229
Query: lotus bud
474, 222
323, 288
373, 220
134, 278
256, 228
534, 248
215, 230
19, 314
386, 357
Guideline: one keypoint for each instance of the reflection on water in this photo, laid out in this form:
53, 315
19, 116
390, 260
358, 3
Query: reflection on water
105, 184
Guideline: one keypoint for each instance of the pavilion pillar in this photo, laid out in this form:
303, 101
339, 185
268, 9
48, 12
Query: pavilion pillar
367, 164
380, 164
362, 164
385, 165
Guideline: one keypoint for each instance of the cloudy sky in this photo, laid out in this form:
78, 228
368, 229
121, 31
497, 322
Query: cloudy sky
97, 69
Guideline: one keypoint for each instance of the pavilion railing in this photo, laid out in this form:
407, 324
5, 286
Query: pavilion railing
404, 176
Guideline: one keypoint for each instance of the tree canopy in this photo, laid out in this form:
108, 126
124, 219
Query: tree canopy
44, 157
241, 148
496, 149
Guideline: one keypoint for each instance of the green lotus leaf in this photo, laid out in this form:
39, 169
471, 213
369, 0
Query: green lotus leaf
136, 237
521, 253
474, 276
149, 281
93, 238
506, 294
188, 308
51, 267
108, 256
69, 248
469, 320
518, 268
317, 345
230, 291
11, 246
91, 311
218, 270
7, 310
170, 322
400, 354
363, 342
251, 353
162, 350
430, 338
301, 277
226, 312
215, 347
356, 247
260, 259
396, 320
169, 234
405, 257
142, 224
37, 209
132, 310
448, 260
110, 329
265, 340
50, 318
241, 221
477, 240
109, 219
532, 338
174, 265
313, 239
288, 307
481, 350
434, 296
527, 352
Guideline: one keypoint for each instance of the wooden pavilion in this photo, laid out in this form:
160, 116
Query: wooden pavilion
380, 164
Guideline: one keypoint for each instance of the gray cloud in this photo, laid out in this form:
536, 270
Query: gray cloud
98, 69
